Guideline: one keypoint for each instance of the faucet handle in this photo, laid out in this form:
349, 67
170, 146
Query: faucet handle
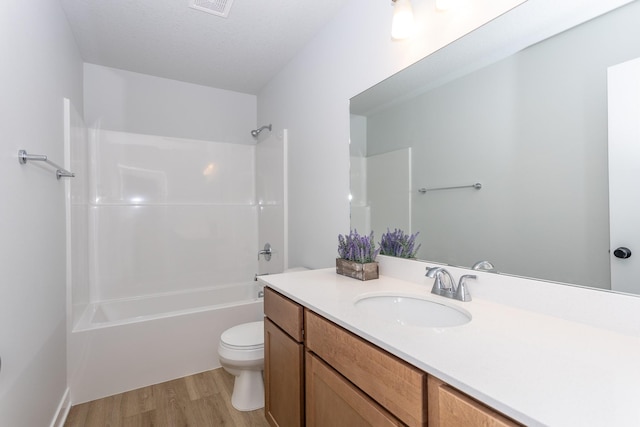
484, 266
435, 274
462, 293
266, 252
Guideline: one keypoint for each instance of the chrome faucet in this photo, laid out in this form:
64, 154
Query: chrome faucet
266, 252
439, 285
444, 284
484, 266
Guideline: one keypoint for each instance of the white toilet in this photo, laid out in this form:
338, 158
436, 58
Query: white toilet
241, 353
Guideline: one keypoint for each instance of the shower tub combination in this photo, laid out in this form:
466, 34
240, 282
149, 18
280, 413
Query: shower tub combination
121, 345
162, 241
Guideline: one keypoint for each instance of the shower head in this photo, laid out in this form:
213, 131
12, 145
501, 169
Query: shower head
256, 132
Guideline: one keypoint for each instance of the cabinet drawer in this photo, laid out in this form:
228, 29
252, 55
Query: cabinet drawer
334, 401
394, 384
449, 407
284, 313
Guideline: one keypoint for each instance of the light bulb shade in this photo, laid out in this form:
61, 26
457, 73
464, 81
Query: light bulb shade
402, 23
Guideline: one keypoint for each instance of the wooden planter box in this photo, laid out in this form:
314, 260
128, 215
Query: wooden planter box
357, 270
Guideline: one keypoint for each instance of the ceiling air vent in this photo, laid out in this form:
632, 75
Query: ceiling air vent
215, 7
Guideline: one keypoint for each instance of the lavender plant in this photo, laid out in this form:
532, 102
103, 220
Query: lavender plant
354, 247
399, 244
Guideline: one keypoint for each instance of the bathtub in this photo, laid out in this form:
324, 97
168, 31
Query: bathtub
121, 345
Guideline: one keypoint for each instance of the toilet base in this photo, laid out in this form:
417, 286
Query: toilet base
248, 391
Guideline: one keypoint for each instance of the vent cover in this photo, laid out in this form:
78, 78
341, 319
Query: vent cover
215, 7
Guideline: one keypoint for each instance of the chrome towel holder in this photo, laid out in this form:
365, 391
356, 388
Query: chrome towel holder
23, 157
477, 186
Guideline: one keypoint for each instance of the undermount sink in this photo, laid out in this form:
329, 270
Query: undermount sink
412, 311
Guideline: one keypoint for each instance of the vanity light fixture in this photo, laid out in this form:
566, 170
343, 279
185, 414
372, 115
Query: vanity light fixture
402, 22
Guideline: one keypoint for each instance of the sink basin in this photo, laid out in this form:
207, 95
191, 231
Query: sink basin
412, 311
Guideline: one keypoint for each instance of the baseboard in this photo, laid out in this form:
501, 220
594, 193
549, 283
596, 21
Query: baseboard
60, 416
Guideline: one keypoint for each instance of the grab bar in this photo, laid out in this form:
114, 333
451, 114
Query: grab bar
477, 186
23, 156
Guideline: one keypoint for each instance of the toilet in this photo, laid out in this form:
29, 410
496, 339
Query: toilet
241, 353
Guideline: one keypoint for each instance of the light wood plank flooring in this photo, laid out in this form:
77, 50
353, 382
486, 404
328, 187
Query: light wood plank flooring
200, 400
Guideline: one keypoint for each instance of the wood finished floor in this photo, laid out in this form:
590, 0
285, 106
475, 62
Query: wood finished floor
200, 400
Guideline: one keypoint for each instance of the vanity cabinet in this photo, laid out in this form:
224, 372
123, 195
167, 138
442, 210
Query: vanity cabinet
318, 374
283, 361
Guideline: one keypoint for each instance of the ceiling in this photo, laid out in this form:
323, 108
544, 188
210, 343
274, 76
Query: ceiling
167, 38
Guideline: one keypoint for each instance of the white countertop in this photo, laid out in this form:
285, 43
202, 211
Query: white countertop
536, 368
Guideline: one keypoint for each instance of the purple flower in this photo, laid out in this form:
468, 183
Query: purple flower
355, 247
398, 244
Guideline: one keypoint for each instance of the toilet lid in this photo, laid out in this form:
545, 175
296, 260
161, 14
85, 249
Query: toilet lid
247, 335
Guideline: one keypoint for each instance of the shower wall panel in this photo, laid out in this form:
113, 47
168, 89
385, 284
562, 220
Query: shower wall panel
137, 169
77, 160
170, 214
271, 155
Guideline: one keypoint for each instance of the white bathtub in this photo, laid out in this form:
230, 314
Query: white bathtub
121, 345
138, 309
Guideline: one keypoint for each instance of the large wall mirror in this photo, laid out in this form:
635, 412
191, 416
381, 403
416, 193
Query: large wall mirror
531, 128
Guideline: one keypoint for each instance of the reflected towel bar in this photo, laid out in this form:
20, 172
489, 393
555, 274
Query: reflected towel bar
477, 186
23, 156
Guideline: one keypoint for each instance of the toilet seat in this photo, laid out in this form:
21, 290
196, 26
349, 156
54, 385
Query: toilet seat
248, 336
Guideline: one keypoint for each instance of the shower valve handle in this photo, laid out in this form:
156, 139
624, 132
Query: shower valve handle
266, 252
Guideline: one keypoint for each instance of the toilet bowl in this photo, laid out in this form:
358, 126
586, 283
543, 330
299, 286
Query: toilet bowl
241, 353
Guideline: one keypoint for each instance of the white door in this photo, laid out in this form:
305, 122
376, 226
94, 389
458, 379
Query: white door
624, 175
271, 194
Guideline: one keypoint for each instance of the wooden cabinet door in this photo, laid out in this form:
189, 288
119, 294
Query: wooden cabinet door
283, 378
332, 401
449, 407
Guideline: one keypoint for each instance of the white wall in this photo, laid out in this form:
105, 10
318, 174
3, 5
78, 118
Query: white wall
310, 97
40, 66
139, 103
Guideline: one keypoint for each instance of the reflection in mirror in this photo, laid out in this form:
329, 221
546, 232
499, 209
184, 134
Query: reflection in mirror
532, 129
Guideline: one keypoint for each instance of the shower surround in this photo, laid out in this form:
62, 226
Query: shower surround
170, 214
160, 219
